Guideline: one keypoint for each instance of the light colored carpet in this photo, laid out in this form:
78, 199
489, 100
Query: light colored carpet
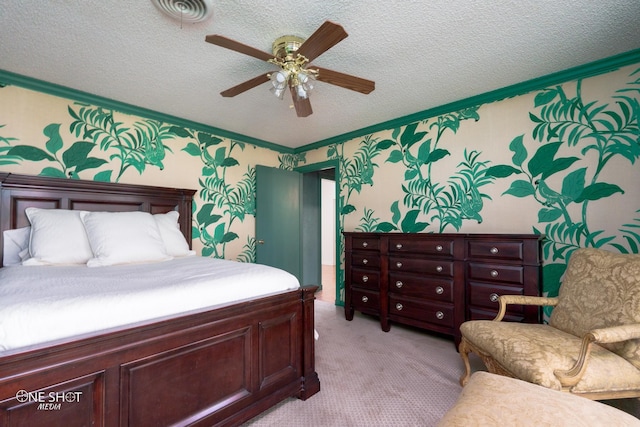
371, 378
368, 377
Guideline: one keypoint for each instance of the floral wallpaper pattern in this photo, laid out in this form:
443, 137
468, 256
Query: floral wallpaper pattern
560, 161
560, 167
104, 149
137, 148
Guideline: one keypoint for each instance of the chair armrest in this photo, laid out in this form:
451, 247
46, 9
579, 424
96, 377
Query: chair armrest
504, 300
616, 333
613, 334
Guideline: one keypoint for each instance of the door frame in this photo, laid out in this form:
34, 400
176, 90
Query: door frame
335, 165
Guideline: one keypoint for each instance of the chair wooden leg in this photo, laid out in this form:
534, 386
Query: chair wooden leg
464, 351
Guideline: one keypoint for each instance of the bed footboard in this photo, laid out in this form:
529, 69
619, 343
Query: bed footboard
218, 367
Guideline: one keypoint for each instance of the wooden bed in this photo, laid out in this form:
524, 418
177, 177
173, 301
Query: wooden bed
215, 367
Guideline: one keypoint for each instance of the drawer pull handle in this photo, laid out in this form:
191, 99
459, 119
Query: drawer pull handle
365, 279
365, 298
439, 290
494, 297
398, 264
439, 315
439, 269
365, 244
365, 261
399, 307
399, 284
439, 248
494, 273
494, 250
399, 246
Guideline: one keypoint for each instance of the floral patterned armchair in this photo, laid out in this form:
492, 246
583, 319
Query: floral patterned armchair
495, 400
591, 345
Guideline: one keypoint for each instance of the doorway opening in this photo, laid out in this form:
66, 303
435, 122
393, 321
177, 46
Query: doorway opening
328, 236
327, 262
289, 232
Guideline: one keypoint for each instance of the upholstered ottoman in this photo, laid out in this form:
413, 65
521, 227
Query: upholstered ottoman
495, 400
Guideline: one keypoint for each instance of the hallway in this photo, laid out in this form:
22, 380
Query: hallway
328, 292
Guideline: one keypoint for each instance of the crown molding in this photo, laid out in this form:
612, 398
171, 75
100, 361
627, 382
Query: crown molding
8, 78
582, 71
586, 70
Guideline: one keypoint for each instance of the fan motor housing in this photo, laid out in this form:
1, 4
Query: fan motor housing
286, 45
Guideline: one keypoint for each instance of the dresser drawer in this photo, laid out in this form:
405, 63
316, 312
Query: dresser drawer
496, 272
365, 243
486, 295
436, 281
365, 300
421, 287
513, 251
369, 279
438, 314
429, 246
433, 267
365, 259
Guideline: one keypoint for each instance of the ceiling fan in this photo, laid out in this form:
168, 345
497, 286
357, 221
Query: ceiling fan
293, 55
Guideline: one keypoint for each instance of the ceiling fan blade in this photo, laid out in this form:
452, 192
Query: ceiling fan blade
344, 80
324, 38
243, 87
238, 47
302, 105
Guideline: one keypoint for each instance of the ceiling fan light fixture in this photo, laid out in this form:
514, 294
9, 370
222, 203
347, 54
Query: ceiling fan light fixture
303, 83
293, 74
302, 93
279, 81
292, 55
306, 79
280, 78
278, 92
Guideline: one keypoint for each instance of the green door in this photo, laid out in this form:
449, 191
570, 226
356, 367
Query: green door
278, 233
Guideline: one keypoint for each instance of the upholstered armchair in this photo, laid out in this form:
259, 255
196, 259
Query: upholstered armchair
591, 345
495, 400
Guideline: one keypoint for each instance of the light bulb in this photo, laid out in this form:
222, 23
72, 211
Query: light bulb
279, 79
305, 81
278, 91
302, 93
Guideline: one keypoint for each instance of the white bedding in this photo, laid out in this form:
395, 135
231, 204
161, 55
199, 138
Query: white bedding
44, 303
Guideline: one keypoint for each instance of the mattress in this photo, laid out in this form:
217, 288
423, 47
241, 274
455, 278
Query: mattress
39, 304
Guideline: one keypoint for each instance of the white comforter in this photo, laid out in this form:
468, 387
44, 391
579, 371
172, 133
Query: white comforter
44, 303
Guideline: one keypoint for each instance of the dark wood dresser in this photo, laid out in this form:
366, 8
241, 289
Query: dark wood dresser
437, 281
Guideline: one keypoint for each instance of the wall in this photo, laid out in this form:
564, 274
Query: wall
560, 161
41, 134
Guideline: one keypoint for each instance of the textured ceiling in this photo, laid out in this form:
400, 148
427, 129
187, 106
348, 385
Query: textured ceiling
420, 54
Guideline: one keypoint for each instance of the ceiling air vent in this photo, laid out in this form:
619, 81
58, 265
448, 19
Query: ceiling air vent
187, 11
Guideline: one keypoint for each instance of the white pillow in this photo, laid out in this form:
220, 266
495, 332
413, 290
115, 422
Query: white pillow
123, 237
174, 241
15, 248
57, 237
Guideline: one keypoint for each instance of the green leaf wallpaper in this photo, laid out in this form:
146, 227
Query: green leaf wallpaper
560, 161
93, 143
566, 167
593, 137
223, 202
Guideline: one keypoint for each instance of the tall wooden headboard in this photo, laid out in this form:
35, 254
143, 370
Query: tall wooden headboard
18, 192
